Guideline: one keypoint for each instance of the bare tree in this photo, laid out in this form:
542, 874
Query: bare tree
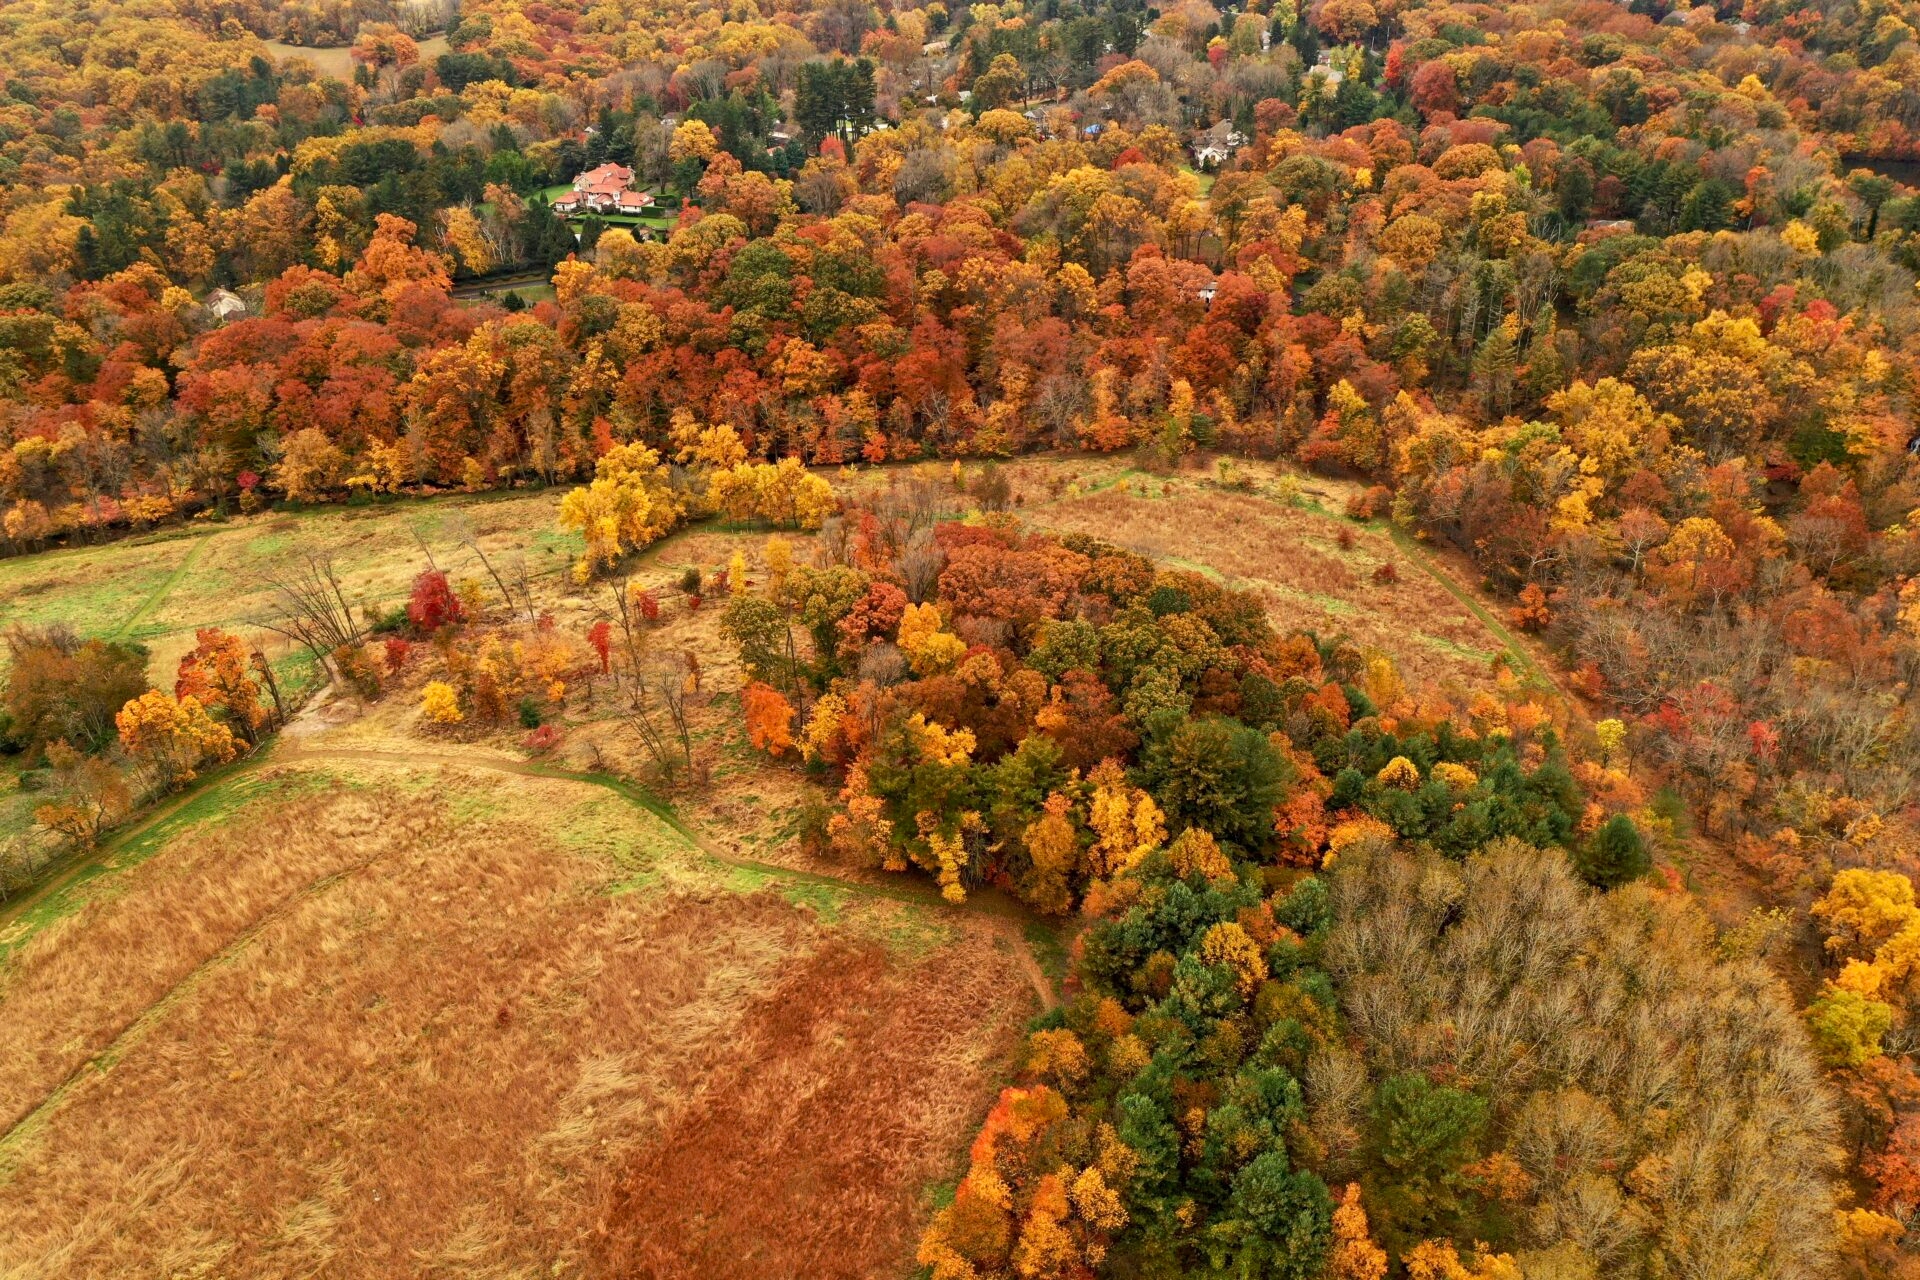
459, 526
311, 606
663, 688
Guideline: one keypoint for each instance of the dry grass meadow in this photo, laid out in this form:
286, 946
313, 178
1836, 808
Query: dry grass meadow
338, 61
1284, 548
1279, 534
384, 1020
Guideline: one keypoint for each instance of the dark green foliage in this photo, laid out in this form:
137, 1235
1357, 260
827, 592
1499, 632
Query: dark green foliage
1307, 909
1261, 702
1421, 1134
1218, 775
458, 70
1614, 855
1259, 1213
1117, 950
759, 629
1279, 1222
834, 97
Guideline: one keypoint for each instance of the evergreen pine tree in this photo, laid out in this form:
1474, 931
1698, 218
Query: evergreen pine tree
1614, 855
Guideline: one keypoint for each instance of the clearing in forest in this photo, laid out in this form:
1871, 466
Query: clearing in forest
1280, 535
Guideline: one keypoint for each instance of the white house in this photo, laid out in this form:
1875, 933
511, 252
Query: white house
226, 305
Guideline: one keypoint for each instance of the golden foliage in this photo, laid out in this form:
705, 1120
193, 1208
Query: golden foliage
174, 737
440, 704
628, 505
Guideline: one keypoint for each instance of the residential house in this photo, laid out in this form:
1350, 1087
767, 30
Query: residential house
225, 305
603, 190
1213, 147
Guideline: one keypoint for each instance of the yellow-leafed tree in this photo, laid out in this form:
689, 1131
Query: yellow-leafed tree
627, 505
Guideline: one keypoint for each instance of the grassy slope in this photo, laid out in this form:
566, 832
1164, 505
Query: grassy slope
157, 589
286, 889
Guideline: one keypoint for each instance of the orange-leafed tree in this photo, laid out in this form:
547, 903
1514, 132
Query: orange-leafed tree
769, 718
220, 671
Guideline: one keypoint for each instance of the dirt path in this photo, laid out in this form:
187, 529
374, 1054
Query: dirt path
1009, 918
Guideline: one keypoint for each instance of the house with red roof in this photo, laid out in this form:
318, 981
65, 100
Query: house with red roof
603, 190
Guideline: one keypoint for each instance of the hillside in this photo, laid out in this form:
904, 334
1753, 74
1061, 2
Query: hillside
1017, 641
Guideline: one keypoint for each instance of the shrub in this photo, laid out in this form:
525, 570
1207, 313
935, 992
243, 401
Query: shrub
529, 714
440, 704
991, 488
356, 666
542, 740
1369, 503
433, 603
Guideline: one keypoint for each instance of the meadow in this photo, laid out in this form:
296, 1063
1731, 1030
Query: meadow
1268, 531
337, 61
360, 1017
394, 997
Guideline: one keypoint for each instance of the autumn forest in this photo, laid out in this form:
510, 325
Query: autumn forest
1041, 640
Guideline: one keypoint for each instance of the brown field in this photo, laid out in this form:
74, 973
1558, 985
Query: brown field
417, 1021
1283, 546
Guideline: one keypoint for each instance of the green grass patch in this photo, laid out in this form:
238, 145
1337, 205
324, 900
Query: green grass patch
1455, 648
222, 794
1049, 947
1320, 600
745, 880
95, 590
570, 543
824, 900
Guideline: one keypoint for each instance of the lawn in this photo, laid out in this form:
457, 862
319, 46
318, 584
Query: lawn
1206, 180
157, 589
